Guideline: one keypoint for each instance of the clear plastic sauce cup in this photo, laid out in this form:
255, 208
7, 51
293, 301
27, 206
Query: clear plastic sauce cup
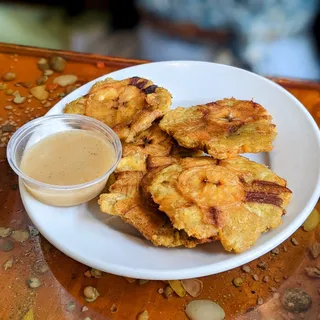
35, 130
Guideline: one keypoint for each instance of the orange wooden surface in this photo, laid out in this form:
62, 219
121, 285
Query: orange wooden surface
64, 280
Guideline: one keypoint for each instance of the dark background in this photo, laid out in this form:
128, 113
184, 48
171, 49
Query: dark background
123, 20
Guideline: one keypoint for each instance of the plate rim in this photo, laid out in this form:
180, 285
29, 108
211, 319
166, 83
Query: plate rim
205, 270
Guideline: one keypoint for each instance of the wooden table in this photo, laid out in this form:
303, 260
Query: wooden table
63, 280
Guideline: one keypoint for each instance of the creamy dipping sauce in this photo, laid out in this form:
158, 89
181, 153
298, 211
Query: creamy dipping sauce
65, 159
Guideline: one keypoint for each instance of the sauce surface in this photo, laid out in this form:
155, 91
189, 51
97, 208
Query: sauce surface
68, 158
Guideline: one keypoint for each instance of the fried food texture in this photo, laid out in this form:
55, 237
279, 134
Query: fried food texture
77, 106
164, 185
232, 200
128, 106
152, 148
223, 129
128, 198
152, 141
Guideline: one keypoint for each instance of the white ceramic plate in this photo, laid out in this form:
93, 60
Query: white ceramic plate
106, 243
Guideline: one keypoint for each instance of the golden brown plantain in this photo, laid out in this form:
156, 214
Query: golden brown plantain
77, 106
233, 200
152, 141
129, 200
128, 106
223, 129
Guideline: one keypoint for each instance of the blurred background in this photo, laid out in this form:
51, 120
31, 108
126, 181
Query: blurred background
269, 37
